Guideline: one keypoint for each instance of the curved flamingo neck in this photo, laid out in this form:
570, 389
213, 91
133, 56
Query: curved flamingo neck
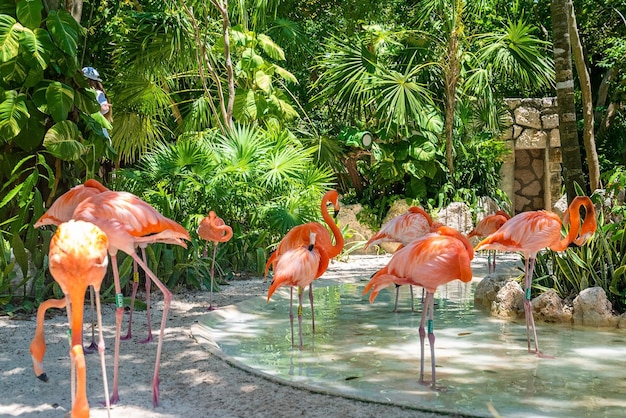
217, 224
572, 217
331, 196
416, 209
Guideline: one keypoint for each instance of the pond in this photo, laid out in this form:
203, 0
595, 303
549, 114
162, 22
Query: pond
367, 352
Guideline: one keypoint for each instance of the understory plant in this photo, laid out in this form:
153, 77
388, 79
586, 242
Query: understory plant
261, 182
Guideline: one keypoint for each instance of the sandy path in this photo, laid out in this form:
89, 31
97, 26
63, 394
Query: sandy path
194, 383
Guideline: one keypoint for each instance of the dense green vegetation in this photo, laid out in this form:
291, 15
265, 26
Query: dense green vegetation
259, 122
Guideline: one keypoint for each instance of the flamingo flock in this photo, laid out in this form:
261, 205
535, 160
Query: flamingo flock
93, 222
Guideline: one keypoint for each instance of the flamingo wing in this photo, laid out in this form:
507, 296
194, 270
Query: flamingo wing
527, 232
404, 228
63, 208
128, 220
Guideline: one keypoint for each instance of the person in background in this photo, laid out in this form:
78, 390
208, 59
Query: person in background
95, 82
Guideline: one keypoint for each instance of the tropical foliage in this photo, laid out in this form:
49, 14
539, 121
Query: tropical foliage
262, 182
268, 109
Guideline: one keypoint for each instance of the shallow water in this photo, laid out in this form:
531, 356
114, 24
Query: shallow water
367, 352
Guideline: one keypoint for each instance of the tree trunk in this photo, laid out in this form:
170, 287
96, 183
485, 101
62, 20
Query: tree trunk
75, 7
585, 87
451, 75
572, 164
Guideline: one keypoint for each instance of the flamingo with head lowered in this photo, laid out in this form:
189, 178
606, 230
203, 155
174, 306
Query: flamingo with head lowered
298, 267
300, 236
530, 232
129, 222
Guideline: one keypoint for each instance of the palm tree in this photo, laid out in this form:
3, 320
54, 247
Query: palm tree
572, 163
391, 79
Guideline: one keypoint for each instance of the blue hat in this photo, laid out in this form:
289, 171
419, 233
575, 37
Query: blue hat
91, 73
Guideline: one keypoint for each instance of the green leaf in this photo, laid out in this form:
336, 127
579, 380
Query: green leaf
9, 38
422, 149
270, 48
60, 99
38, 44
11, 195
85, 100
29, 13
64, 31
368, 59
31, 135
286, 75
62, 141
263, 81
245, 104
20, 253
13, 114
250, 60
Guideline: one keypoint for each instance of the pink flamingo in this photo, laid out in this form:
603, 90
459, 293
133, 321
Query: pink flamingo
487, 226
213, 228
299, 266
61, 211
130, 222
78, 259
530, 232
430, 261
300, 236
405, 228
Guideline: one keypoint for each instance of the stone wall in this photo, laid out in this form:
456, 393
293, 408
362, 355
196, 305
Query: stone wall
531, 175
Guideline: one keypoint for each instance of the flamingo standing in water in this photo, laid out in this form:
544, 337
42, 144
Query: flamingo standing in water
300, 236
487, 226
213, 228
405, 228
430, 261
130, 222
78, 259
299, 266
530, 232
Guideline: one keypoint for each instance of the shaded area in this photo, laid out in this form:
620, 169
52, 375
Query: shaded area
367, 352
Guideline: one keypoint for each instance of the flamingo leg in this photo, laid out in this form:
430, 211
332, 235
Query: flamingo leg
422, 334
291, 312
93, 346
119, 313
167, 299
528, 309
300, 291
312, 311
395, 306
211, 308
431, 334
412, 298
148, 316
101, 348
132, 301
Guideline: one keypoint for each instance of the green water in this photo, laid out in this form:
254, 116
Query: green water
367, 352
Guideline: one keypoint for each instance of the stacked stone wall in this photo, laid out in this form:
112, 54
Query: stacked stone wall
531, 176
